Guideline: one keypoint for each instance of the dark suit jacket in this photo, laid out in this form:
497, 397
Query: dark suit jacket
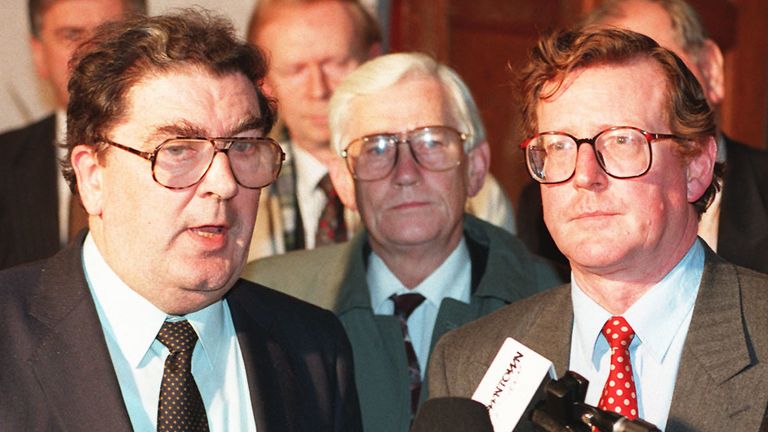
742, 236
29, 212
56, 373
722, 382
335, 277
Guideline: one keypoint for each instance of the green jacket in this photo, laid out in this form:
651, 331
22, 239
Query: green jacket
333, 277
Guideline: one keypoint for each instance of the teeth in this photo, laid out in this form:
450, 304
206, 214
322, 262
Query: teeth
208, 232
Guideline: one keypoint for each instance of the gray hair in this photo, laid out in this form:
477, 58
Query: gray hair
387, 70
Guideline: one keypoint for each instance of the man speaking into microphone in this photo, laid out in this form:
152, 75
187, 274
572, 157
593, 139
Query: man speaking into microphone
621, 139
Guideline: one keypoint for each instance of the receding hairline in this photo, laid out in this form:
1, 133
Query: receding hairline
264, 16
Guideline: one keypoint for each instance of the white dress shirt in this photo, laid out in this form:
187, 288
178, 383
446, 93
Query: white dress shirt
64, 194
131, 323
660, 319
312, 200
452, 279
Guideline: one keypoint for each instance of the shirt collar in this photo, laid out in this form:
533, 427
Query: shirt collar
133, 322
450, 279
655, 317
309, 170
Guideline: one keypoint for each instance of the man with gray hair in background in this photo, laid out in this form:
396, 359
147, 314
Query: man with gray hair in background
415, 150
38, 215
313, 45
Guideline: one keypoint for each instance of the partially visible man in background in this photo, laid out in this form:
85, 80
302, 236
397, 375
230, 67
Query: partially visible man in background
37, 215
736, 224
313, 45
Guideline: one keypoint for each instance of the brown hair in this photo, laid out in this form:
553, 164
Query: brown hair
557, 55
36, 9
122, 53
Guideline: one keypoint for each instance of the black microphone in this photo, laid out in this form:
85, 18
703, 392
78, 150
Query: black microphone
452, 414
563, 409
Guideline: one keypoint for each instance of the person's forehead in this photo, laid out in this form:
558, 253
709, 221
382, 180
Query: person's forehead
81, 13
193, 101
650, 19
631, 93
300, 25
395, 109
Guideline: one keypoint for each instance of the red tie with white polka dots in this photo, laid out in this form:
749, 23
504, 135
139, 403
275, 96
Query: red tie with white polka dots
180, 407
619, 394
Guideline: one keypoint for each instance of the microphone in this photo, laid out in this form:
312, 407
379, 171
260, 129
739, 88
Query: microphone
452, 414
520, 386
563, 409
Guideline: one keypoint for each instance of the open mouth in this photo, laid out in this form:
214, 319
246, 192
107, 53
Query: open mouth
208, 231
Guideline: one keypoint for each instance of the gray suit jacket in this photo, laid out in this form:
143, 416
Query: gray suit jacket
334, 277
722, 383
56, 373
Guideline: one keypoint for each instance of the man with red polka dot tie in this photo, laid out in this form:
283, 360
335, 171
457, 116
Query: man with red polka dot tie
622, 142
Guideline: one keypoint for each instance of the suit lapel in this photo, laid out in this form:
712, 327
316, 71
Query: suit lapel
718, 382
72, 361
550, 329
271, 382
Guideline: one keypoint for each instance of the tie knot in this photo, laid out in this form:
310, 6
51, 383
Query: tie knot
406, 303
618, 332
326, 186
178, 336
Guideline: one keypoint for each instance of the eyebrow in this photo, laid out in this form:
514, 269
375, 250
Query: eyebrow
185, 128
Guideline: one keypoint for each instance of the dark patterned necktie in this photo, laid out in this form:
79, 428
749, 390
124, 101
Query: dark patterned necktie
405, 304
331, 227
180, 407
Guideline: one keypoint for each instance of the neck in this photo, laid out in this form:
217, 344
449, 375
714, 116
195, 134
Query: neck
412, 264
320, 151
617, 288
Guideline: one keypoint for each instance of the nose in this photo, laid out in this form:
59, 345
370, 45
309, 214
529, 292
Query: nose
588, 172
407, 170
318, 86
219, 180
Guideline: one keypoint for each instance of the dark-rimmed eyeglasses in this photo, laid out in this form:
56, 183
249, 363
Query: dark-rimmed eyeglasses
622, 152
181, 162
436, 148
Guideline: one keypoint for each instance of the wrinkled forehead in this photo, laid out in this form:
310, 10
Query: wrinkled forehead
192, 101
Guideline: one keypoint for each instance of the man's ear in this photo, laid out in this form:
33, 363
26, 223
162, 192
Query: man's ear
710, 62
700, 170
478, 163
342, 181
89, 173
38, 58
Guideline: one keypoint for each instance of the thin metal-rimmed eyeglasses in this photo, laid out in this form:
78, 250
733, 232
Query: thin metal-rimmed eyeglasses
622, 152
181, 162
436, 148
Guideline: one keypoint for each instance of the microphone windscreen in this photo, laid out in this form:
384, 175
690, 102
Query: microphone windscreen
452, 414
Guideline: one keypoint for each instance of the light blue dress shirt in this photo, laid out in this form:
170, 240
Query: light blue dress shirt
451, 279
130, 325
660, 319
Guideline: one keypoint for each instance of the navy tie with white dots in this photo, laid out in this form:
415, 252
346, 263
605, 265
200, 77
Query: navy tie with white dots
180, 407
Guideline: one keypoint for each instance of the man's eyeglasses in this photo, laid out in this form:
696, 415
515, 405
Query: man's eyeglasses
181, 162
622, 152
436, 148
